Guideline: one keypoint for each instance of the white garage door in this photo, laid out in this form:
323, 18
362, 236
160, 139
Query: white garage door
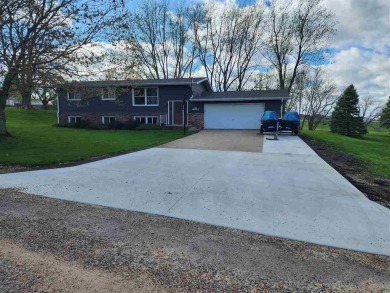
233, 116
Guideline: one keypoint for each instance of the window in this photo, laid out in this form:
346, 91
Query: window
145, 96
108, 119
146, 119
74, 119
108, 93
73, 96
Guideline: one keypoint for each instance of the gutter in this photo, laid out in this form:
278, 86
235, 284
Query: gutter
240, 99
122, 83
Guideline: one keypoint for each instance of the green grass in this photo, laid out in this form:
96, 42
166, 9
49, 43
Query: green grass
36, 141
373, 149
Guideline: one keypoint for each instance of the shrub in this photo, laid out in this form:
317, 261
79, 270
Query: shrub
117, 125
148, 127
81, 124
131, 124
98, 127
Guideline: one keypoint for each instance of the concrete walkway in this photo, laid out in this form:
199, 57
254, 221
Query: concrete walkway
286, 191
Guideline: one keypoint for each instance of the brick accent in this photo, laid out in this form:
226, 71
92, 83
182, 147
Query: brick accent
96, 118
196, 120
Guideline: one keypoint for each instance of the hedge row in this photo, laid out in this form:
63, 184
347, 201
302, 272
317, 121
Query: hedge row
116, 125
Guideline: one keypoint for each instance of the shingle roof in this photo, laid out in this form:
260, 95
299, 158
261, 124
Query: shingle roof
242, 95
138, 82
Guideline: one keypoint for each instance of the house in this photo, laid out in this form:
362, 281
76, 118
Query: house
10, 102
160, 101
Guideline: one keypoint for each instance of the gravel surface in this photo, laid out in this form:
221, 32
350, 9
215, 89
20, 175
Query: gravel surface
53, 245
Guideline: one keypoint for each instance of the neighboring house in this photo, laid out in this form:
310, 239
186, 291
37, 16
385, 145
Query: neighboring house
10, 102
160, 101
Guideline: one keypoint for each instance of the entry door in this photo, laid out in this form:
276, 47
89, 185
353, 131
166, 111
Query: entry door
176, 114
233, 116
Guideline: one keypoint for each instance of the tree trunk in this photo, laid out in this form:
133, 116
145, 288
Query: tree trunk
3, 129
26, 98
303, 123
310, 124
3, 97
45, 104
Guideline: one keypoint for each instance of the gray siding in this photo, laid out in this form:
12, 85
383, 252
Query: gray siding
91, 106
272, 105
92, 102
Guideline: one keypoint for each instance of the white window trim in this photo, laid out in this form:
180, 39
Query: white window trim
69, 117
75, 96
107, 117
135, 117
145, 96
111, 94
163, 121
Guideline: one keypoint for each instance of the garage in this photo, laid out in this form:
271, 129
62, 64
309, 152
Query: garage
233, 109
233, 115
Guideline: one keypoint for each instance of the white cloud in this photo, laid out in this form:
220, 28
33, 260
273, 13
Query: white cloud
367, 70
362, 23
363, 36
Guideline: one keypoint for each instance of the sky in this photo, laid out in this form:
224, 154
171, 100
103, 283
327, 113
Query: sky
361, 47
360, 50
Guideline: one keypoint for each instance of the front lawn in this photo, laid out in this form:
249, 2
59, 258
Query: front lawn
36, 141
373, 149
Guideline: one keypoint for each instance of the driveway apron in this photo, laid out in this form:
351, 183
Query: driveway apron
278, 188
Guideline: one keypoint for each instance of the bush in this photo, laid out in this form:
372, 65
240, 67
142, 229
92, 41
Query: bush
131, 124
98, 127
81, 124
117, 125
148, 127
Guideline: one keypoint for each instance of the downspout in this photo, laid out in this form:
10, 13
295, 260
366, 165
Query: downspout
58, 109
281, 108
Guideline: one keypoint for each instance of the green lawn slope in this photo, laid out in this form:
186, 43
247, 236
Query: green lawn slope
35, 141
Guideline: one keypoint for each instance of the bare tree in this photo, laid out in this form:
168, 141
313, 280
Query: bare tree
263, 81
318, 98
227, 41
369, 109
45, 95
298, 34
47, 35
297, 92
122, 62
161, 41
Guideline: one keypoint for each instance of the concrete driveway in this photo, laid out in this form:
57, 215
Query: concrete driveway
221, 140
286, 191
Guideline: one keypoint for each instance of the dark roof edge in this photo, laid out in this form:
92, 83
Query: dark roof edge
207, 83
169, 81
238, 99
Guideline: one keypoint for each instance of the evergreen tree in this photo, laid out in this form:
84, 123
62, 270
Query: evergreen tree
385, 115
345, 117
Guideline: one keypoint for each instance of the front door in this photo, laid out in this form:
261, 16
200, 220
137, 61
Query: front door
176, 114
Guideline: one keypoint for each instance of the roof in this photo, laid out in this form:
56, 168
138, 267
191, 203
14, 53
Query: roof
140, 82
258, 95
